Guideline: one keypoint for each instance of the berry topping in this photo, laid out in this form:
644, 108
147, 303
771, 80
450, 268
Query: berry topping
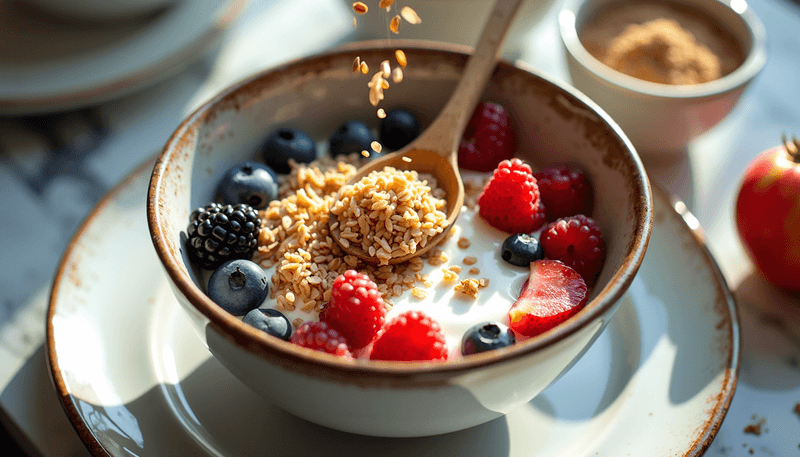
251, 183
553, 293
320, 337
271, 321
217, 233
486, 337
287, 144
238, 286
356, 308
352, 136
412, 335
398, 128
566, 190
521, 249
510, 200
578, 243
488, 138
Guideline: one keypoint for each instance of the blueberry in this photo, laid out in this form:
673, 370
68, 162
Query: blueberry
238, 286
486, 337
287, 143
398, 128
271, 321
252, 183
521, 249
352, 136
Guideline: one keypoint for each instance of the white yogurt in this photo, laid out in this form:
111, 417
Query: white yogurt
456, 312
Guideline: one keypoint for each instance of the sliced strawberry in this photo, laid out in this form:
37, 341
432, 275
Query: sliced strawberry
552, 294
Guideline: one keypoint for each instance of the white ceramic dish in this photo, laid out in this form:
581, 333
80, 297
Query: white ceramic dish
48, 65
134, 379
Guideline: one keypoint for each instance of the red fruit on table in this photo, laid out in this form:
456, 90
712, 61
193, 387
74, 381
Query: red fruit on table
768, 214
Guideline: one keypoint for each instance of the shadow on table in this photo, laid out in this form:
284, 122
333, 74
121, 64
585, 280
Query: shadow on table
225, 417
770, 321
674, 174
32, 385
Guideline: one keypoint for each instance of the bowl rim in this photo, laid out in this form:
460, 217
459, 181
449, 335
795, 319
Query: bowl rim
753, 63
308, 361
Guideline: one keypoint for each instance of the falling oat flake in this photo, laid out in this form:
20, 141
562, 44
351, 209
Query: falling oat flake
410, 15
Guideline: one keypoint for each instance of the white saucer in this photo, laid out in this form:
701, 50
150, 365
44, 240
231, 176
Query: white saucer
134, 379
47, 64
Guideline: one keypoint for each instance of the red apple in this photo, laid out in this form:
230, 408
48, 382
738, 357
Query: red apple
768, 214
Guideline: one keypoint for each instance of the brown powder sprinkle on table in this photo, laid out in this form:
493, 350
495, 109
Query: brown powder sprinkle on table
755, 428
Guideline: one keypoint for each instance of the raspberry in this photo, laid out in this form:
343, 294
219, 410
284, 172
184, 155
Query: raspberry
578, 243
356, 308
412, 335
510, 200
320, 337
566, 190
488, 138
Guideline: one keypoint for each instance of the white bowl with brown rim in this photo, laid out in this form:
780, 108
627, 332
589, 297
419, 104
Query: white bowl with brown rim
662, 118
554, 123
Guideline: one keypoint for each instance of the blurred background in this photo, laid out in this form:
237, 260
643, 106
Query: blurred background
90, 90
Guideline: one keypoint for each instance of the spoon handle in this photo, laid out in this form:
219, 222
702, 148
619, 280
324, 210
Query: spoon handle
444, 134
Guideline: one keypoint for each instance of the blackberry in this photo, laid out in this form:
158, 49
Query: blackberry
218, 233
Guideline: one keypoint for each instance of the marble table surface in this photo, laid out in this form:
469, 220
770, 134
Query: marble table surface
55, 167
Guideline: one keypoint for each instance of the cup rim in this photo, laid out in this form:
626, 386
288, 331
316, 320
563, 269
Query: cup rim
294, 357
750, 67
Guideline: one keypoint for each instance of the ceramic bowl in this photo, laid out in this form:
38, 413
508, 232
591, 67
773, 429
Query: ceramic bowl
101, 10
662, 119
555, 123
453, 21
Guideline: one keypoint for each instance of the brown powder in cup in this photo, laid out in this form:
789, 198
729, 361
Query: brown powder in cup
661, 51
658, 44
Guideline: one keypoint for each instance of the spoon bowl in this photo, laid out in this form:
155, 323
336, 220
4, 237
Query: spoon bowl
435, 151
423, 161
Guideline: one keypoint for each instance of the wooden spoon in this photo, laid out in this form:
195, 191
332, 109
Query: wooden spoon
435, 151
